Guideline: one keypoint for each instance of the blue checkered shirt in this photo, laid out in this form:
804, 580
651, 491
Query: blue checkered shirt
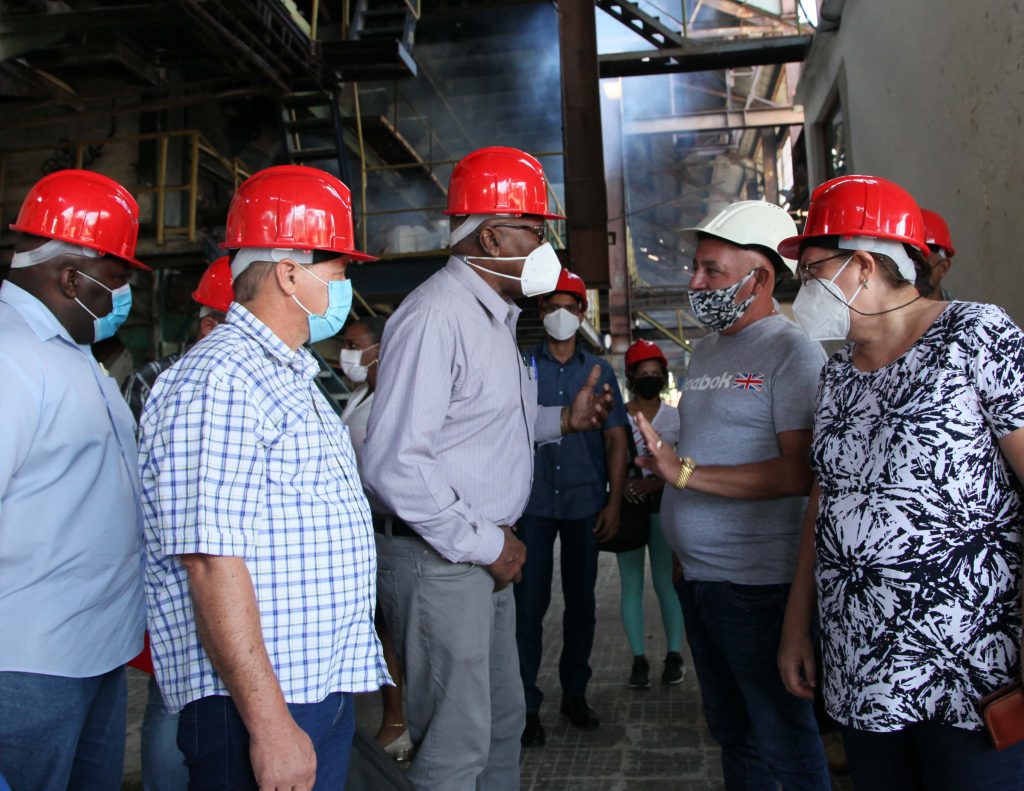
241, 456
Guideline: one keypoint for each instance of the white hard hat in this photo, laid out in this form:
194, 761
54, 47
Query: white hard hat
748, 223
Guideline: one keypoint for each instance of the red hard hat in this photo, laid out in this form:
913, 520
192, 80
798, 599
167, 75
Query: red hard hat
936, 232
644, 350
568, 283
860, 206
499, 180
214, 289
293, 207
84, 208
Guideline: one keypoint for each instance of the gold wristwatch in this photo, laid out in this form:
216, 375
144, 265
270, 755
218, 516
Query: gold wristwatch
688, 466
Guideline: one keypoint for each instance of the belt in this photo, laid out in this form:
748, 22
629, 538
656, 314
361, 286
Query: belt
393, 526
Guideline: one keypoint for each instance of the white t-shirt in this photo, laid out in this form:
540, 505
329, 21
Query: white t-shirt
666, 423
356, 415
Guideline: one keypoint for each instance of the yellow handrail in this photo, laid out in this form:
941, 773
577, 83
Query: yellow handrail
198, 146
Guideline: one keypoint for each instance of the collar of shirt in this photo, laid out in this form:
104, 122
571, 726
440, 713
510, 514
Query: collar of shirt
39, 317
544, 350
299, 360
501, 309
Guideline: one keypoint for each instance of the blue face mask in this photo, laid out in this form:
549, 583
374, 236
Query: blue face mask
121, 305
339, 303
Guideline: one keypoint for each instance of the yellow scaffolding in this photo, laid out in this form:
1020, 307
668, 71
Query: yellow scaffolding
198, 148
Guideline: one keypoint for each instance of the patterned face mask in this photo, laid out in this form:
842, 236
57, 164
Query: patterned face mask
718, 309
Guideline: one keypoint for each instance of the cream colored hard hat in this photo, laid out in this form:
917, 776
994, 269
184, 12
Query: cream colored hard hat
748, 223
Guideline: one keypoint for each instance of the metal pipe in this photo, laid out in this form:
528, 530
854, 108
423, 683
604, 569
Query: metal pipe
193, 194
364, 303
362, 162
679, 340
161, 182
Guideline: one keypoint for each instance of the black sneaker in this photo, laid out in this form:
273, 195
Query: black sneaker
674, 670
640, 675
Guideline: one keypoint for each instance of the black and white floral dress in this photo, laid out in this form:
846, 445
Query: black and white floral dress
918, 536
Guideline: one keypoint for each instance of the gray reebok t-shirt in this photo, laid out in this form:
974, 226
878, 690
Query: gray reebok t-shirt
741, 391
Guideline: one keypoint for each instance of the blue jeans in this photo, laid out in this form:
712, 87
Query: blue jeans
60, 733
767, 735
215, 742
163, 765
533, 595
931, 757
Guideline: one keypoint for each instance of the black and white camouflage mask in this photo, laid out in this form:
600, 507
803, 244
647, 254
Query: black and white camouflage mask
718, 309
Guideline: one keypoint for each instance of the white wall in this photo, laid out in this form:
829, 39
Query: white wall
933, 93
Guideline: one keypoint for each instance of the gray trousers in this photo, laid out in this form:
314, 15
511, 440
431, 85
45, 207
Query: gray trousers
456, 638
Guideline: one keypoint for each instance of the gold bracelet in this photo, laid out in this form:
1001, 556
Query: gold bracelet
689, 465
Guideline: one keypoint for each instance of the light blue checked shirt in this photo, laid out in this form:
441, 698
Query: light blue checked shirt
240, 455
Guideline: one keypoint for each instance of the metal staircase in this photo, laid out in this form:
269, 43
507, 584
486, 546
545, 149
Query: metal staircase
643, 24
312, 127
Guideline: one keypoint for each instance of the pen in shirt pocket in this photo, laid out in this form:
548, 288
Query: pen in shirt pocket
533, 368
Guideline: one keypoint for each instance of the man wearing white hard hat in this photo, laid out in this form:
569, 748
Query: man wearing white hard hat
739, 478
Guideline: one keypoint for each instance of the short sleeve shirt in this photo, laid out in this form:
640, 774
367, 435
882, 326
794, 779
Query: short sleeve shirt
919, 528
741, 392
242, 456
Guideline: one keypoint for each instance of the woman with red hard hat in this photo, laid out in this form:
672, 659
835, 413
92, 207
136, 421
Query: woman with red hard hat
940, 252
647, 377
911, 548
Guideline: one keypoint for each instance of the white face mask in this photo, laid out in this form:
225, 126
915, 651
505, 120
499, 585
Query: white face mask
823, 310
351, 361
540, 270
561, 325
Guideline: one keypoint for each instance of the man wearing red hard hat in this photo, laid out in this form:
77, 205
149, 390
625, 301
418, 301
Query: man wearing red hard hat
71, 606
447, 462
576, 496
214, 295
940, 253
260, 571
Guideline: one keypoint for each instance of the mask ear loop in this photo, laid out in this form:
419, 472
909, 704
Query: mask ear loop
861, 287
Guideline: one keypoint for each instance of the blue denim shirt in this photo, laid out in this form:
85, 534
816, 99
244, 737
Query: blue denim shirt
570, 480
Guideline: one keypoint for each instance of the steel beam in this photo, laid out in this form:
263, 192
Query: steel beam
709, 122
619, 312
748, 11
707, 56
585, 199
159, 13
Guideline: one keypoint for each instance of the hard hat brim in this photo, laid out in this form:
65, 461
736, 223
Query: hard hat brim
134, 262
355, 255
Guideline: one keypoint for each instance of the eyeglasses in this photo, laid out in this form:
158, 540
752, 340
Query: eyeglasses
538, 230
805, 270
550, 307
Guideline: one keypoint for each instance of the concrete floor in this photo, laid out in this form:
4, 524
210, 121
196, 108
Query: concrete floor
649, 740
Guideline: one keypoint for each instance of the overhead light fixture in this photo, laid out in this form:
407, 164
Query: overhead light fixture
612, 89
653, 257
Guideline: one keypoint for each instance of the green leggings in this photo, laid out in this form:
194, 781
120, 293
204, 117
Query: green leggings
631, 575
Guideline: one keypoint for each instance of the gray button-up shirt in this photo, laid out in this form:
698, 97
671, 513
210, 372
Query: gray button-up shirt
449, 445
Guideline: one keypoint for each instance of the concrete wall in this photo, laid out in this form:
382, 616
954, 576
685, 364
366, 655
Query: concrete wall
933, 92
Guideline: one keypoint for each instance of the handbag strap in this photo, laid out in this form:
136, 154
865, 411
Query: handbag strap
633, 471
